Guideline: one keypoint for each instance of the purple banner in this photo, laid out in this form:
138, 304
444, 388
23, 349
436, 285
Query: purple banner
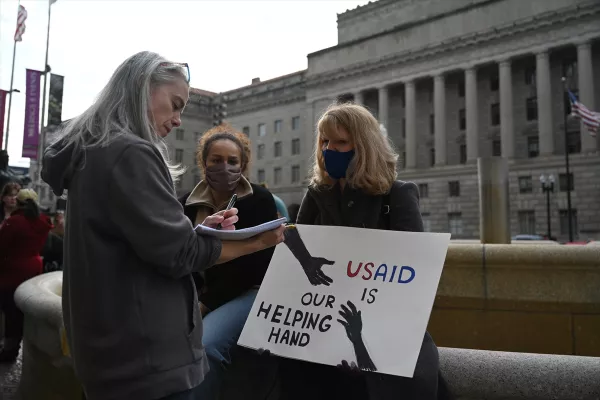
3, 94
31, 134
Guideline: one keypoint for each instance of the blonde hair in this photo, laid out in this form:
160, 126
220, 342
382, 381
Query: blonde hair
373, 168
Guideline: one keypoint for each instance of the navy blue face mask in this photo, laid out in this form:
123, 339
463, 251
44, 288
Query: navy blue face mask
336, 162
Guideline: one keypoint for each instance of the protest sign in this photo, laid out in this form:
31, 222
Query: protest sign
334, 294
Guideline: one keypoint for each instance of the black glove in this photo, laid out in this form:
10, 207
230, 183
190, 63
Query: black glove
311, 265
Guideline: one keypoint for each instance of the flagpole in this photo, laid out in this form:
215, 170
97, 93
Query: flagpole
569, 211
10, 94
42, 138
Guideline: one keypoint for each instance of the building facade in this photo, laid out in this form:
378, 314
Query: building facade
451, 81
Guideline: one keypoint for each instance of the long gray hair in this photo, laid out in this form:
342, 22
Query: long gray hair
122, 107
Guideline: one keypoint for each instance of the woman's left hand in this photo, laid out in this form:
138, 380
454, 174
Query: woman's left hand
227, 219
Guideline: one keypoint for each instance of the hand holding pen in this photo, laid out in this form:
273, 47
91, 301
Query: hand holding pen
225, 219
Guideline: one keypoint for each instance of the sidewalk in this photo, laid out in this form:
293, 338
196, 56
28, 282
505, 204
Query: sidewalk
10, 374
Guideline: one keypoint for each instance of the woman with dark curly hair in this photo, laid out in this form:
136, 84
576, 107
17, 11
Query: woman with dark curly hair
9, 200
227, 293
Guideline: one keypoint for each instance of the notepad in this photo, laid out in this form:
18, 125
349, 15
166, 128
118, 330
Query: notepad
240, 234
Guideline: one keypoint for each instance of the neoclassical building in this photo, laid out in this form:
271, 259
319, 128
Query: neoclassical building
451, 81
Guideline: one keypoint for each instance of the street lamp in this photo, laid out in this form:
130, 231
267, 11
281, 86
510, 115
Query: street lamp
548, 187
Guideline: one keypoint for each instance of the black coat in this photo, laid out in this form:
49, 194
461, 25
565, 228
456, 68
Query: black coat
399, 211
223, 283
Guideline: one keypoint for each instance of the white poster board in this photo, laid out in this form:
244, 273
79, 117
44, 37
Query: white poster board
392, 292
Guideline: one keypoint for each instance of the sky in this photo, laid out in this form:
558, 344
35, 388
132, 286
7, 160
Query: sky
225, 42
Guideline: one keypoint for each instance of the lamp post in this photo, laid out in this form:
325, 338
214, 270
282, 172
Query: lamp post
548, 187
567, 166
10, 93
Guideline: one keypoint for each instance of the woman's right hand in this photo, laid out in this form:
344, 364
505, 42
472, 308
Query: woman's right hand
227, 219
271, 238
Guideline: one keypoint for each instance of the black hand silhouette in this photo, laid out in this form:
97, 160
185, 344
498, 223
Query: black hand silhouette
264, 352
313, 271
311, 265
352, 321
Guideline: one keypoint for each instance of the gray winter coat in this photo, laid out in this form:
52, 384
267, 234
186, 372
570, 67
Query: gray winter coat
129, 303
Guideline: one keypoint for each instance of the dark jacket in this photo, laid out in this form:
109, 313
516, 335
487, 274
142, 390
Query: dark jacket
221, 285
21, 240
353, 208
129, 301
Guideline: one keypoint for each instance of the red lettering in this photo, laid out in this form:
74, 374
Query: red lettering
367, 269
353, 274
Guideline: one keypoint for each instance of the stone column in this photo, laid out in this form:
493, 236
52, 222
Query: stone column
507, 128
472, 114
383, 107
586, 91
544, 103
359, 98
411, 125
494, 202
439, 112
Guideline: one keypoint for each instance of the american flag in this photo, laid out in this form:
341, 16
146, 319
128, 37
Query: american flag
590, 119
21, 17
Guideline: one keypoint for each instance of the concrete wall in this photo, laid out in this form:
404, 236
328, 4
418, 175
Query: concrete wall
516, 298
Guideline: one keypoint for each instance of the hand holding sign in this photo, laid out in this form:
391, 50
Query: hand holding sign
352, 321
311, 265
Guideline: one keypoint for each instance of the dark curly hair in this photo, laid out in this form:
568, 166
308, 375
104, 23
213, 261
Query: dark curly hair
224, 132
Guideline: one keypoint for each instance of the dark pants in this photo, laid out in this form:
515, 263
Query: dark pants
13, 318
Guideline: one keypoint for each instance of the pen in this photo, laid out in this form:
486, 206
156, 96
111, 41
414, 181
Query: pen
231, 203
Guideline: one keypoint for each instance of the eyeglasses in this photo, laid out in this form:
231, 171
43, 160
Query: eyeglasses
184, 66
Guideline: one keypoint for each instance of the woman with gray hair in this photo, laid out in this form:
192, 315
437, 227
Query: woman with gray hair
129, 302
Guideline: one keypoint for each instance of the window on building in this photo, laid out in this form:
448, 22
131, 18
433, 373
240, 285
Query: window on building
424, 190
426, 217
178, 155
403, 161
533, 146
179, 134
403, 128
454, 189
525, 185
295, 123
563, 184
531, 104
262, 130
432, 156
574, 142
496, 147
494, 83
277, 149
567, 101
527, 222
530, 75
260, 151
462, 119
431, 124
462, 149
261, 176
295, 146
295, 174
461, 88
455, 223
277, 126
569, 70
564, 222
246, 130
495, 114
277, 178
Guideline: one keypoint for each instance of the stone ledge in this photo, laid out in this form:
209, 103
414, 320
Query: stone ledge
491, 375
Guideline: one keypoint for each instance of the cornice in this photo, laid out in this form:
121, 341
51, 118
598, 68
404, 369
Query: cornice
517, 165
473, 39
247, 108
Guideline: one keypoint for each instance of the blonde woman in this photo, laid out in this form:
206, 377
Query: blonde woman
354, 184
